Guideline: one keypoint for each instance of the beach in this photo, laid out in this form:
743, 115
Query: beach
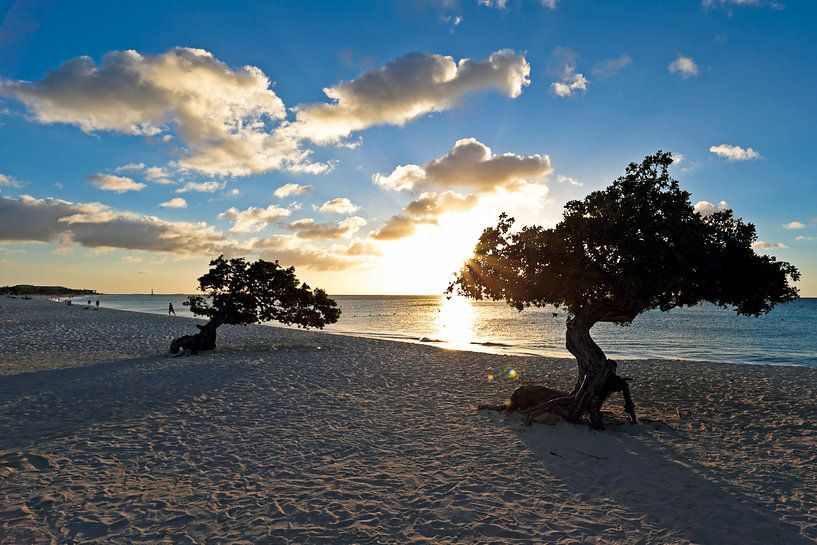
282, 436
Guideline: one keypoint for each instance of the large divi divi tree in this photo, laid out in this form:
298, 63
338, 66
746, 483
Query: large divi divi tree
238, 292
635, 246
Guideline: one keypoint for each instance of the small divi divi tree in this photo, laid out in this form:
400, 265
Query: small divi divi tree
238, 292
635, 246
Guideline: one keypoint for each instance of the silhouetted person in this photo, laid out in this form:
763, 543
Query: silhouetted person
97, 303
170, 309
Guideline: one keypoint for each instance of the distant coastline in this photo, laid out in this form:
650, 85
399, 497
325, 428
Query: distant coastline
28, 289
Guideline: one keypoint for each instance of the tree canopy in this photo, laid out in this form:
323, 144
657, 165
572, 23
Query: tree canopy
635, 246
239, 292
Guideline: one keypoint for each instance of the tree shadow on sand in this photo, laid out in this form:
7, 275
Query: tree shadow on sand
626, 465
61, 402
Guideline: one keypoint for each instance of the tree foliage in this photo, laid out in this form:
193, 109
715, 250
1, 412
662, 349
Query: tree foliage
239, 292
635, 246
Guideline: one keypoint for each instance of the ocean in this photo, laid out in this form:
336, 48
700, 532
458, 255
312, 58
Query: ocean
786, 336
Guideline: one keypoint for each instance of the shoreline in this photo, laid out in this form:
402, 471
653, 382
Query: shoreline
487, 347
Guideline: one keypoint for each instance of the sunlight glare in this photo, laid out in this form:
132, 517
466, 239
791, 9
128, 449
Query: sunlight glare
455, 321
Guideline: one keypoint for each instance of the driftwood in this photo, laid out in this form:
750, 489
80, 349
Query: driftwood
205, 339
536, 400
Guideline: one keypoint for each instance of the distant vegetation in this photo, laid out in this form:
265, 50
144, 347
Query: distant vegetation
27, 289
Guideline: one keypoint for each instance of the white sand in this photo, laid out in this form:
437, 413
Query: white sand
282, 436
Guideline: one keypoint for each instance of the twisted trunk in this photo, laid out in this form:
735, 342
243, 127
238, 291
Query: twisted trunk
597, 378
205, 339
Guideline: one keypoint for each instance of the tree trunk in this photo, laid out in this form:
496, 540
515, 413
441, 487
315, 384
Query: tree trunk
595, 370
597, 378
205, 339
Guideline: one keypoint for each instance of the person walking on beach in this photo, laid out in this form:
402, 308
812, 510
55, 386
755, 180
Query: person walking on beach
97, 303
170, 309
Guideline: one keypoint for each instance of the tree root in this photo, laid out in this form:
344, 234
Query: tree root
536, 400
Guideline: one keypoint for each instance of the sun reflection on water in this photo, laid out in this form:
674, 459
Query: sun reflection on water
455, 321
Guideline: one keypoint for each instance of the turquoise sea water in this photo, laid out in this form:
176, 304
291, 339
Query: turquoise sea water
786, 336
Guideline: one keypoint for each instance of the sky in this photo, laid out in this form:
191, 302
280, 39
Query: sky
369, 143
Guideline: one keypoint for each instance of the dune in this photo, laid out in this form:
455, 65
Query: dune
283, 436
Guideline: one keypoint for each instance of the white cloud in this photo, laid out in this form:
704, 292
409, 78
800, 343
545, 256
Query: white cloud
571, 83
734, 153
803, 237
309, 229
9, 181
339, 205
760, 245
406, 88
470, 164
706, 208
402, 177
120, 184
200, 187
794, 225
289, 190
741, 3
158, 175
176, 202
130, 167
562, 63
683, 66
496, 4
220, 113
610, 67
568, 180
253, 219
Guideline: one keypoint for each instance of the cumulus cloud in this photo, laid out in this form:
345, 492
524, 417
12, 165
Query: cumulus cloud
220, 113
253, 219
760, 245
158, 175
706, 208
176, 202
309, 229
340, 205
568, 180
571, 83
111, 182
683, 66
431, 205
610, 67
398, 227
290, 190
406, 88
794, 225
562, 63
130, 167
424, 210
470, 164
9, 181
94, 225
200, 187
734, 153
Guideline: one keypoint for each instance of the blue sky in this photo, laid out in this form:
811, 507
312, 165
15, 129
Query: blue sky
570, 91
